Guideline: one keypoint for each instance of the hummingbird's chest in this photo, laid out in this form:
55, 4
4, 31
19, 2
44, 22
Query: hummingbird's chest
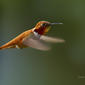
40, 31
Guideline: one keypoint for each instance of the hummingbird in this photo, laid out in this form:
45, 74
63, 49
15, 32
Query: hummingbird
34, 38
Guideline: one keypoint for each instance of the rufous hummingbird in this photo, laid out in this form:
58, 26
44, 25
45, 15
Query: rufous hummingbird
34, 38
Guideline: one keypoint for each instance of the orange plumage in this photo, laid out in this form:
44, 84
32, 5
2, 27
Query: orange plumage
30, 37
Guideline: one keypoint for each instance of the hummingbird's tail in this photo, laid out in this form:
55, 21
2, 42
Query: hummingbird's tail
1, 48
5, 46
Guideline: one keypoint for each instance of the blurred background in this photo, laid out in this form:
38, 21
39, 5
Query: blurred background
64, 64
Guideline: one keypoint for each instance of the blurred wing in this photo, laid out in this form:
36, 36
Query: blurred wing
51, 39
35, 43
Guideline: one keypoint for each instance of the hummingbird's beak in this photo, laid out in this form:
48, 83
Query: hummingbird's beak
55, 23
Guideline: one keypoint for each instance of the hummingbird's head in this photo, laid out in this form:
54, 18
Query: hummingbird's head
43, 27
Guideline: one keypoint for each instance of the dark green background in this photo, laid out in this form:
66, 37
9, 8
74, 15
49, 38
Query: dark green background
64, 64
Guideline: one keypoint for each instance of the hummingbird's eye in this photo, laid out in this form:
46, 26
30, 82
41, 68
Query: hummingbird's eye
44, 24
